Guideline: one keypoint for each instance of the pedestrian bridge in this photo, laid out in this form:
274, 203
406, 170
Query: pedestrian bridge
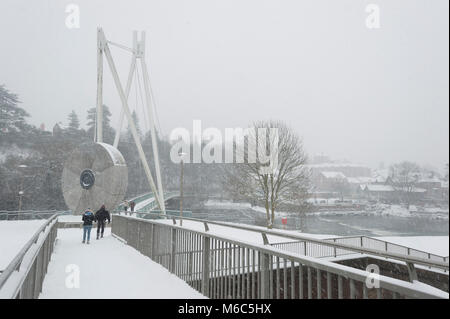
143, 258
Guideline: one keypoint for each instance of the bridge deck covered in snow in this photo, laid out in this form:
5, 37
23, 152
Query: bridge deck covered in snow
107, 268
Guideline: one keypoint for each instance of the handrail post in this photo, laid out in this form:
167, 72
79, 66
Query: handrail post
205, 266
173, 250
152, 244
138, 235
412, 272
265, 239
334, 249
265, 275
206, 226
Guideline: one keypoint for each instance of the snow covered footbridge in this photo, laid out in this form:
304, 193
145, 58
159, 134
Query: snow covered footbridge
144, 258
55, 264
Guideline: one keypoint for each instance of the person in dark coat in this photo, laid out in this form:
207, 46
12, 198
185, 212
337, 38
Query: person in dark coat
101, 216
88, 218
132, 204
125, 207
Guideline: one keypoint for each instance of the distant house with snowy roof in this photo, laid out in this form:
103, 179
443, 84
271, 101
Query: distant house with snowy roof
380, 176
331, 182
379, 192
348, 169
57, 130
361, 180
429, 183
357, 184
333, 175
436, 189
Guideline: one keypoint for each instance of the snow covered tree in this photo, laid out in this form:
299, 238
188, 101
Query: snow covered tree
74, 122
108, 131
282, 181
12, 117
404, 177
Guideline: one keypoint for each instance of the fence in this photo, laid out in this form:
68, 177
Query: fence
29, 214
320, 247
221, 267
23, 277
317, 250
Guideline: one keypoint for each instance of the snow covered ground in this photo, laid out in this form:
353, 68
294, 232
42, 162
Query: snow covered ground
13, 236
107, 269
402, 211
230, 205
432, 244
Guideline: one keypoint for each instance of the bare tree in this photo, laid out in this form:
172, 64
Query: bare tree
404, 177
284, 179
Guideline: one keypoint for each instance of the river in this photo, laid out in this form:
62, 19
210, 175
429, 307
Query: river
341, 224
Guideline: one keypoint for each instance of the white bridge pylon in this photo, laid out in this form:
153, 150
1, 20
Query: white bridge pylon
138, 53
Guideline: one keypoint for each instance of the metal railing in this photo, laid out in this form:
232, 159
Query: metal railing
314, 250
23, 277
223, 267
320, 247
30, 214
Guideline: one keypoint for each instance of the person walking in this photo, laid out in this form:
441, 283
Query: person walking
101, 216
132, 204
125, 207
88, 218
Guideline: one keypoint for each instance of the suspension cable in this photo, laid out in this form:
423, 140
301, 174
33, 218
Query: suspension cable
142, 100
154, 107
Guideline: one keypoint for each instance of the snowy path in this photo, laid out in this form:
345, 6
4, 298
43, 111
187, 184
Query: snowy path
108, 269
144, 203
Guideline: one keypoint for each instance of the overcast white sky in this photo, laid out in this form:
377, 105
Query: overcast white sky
367, 95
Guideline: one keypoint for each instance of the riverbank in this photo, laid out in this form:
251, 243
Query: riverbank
377, 209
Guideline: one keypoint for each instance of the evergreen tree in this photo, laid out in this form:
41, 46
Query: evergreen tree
74, 122
108, 131
129, 135
12, 117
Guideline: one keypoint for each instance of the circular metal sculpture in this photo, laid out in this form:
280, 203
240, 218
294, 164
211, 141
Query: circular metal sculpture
95, 174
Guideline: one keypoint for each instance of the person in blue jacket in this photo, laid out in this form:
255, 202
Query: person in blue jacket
88, 219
